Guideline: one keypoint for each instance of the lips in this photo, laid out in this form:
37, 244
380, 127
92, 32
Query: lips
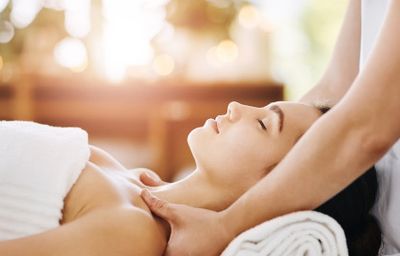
213, 124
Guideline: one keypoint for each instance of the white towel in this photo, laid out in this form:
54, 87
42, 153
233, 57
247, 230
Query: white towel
301, 233
38, 166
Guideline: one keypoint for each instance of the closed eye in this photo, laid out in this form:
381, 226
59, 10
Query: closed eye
262, 124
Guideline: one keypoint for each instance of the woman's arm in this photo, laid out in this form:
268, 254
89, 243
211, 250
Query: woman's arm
340, 146
335, 151
105, 232
344, 64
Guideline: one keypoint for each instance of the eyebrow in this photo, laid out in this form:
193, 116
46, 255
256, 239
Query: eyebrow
277, 110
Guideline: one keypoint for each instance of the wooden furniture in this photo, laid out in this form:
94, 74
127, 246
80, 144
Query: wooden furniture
162, 113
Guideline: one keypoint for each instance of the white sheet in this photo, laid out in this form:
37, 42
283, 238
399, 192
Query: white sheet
38, 166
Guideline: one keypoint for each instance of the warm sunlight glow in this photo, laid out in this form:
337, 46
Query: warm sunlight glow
77, 17
227, 51
54, 4
3, 4
164, 65
71, 53
129, 27
249, 17
211, 57
6, 31
267, 25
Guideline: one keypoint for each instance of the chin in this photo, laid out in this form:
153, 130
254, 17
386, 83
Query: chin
193, 138
198, 141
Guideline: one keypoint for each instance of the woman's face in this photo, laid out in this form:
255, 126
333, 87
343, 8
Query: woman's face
240, 147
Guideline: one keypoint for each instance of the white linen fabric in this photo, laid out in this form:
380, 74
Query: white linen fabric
387, 206
38, 166
372, 16
301, 233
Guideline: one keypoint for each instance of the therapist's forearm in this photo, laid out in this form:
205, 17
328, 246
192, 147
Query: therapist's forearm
339, 147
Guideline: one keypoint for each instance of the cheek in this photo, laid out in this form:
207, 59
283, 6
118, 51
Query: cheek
242, 150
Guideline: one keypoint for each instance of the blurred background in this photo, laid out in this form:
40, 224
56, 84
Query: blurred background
138, 75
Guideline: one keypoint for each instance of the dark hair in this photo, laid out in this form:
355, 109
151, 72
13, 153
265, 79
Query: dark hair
351, 209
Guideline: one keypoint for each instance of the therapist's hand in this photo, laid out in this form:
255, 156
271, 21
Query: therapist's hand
194, 231
147, 177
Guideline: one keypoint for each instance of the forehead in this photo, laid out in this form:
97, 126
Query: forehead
290, 108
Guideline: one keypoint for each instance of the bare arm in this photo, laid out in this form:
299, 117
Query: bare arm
340, 146
337, 149
117, 232
343, 66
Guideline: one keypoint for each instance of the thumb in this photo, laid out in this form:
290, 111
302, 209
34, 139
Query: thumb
159, 207
150, 180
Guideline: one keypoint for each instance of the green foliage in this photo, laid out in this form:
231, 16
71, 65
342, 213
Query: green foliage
47, 19
321, 23
202, 16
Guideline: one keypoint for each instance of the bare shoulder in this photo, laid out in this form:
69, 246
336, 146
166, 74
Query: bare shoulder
101, 157
129, 231
107, 232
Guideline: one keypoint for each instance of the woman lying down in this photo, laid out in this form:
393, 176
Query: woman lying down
103, 213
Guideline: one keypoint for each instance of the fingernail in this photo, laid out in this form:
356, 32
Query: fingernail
151, 177
151, 200
148, 195
145, 193
154, 177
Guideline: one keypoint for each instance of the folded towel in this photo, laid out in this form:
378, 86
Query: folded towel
300, 233
38, 166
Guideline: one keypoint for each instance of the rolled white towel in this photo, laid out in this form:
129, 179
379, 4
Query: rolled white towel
38, 166
301, 233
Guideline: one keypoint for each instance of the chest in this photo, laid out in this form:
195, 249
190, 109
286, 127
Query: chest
98, 187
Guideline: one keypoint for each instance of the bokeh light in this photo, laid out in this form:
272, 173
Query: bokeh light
286, 40
164, 65
24, 12
211, 57
227, 51
129, 27
77, 17
249, 16
71, 53
221, 3
58, 5
6, 31
3, 4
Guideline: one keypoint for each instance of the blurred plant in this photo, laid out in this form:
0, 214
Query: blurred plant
321, 22
204, 17
49, 21
8, 51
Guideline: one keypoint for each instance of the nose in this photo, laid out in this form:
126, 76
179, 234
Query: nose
234, 110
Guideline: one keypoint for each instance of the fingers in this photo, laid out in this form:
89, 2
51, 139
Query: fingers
150, 180
159, 207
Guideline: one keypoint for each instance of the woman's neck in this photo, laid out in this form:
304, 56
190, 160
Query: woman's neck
196, 190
